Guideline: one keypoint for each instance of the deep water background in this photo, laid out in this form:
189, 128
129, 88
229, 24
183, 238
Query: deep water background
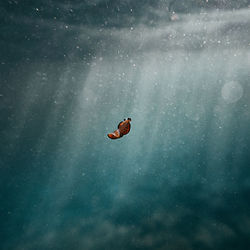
71, 71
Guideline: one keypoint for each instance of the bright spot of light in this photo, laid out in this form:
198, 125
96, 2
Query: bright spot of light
232, 92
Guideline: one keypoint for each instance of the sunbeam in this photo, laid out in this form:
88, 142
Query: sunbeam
179, 179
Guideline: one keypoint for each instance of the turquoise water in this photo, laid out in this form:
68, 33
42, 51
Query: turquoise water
179, 180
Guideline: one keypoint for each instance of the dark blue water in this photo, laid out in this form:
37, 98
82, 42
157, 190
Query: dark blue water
179, 180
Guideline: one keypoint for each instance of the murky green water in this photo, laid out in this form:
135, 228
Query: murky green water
179, 180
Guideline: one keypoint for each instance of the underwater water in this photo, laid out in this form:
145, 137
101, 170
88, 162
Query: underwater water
179, 180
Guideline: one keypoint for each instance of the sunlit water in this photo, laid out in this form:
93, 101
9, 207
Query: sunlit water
179, 180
